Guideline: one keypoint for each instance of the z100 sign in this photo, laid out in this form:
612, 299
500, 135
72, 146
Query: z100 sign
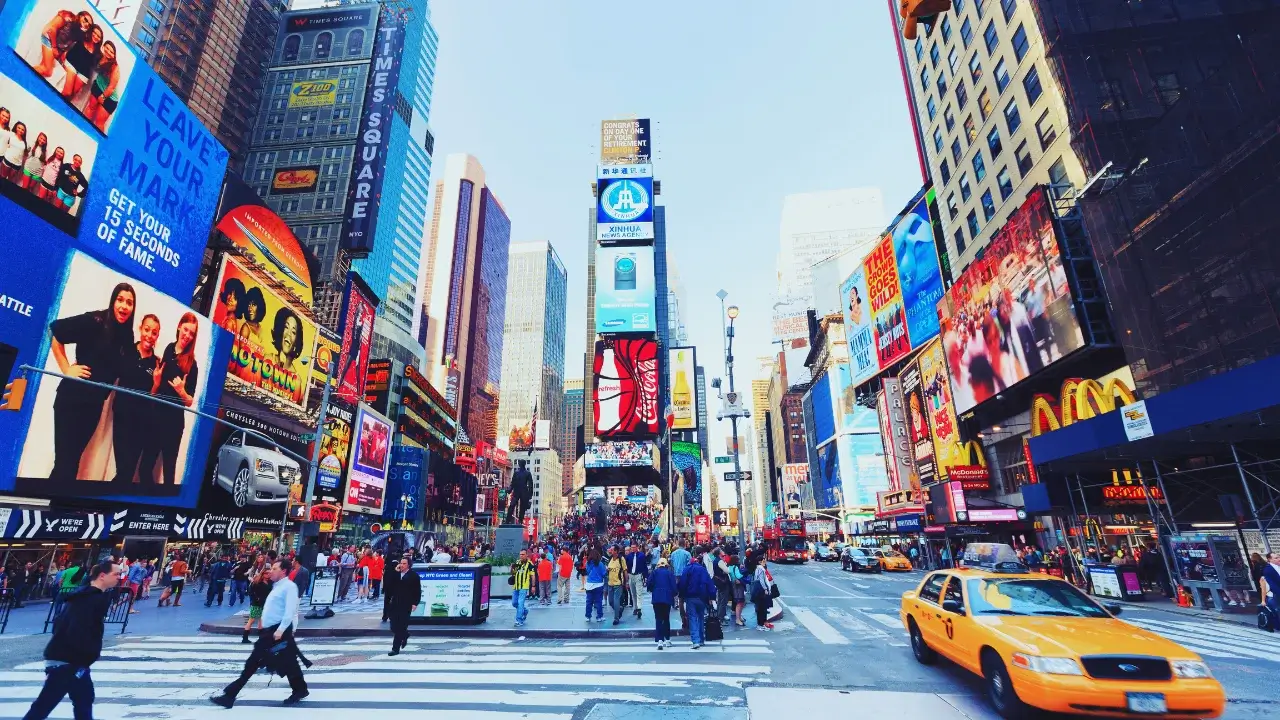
626, 381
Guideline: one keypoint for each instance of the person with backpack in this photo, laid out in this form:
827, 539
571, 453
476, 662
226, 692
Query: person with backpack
75, 645
662, 593
738, 589
696, 589
597, 573
219, 573
724, 586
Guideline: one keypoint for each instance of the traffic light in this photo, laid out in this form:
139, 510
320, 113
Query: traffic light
917, 11
13, 393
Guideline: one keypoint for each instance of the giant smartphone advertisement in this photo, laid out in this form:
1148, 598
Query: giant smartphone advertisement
370, 457
84, 440
625, 290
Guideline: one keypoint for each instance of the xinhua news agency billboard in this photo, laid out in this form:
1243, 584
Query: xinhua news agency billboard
624, 203
107, 206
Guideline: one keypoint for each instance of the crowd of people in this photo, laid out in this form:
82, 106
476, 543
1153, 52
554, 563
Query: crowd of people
623, 522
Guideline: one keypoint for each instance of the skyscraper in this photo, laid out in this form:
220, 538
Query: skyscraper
533, 338
566, 435
213, 55
465, 294
311, 118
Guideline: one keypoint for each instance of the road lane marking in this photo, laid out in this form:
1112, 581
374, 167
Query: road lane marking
889, 621
854, 595
818, 627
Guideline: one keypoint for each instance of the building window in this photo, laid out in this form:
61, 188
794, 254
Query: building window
157, 7
956, 151
338, 129
932, 106
151, 21
1005, 183
993, 143
962, 94
1023, 156
324, 44
262, 174
942, 83
935, 55
953, 61
266, 157
289, 206
919, 49
331, 169
949, 119
990, 38
332, 153
324, 203
355, 42
272, 135
1031, 83
979, 167
984, 103
1020, 43
975, 69
1168, 87
146, 37
328, 186
972, 221
959, 238
966, 32
1113, 96
924, 79
946, 29
1012, 117
1002, 76
953, 208
279, 104
965, 191
343, 98
299, 155
281, 89
1008, 6
959, 5
292, 45
970, 130
1045, 131
937, 139
988, 205
307, 131
945, 169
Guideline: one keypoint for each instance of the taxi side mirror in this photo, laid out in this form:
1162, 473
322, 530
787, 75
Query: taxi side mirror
1113, 608
953, 606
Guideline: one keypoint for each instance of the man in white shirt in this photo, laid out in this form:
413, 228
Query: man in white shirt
442, 555
279, 618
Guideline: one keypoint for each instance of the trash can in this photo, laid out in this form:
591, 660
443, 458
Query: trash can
452, 594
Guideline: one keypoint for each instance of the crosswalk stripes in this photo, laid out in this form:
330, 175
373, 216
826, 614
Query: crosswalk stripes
1216, 639
171, 677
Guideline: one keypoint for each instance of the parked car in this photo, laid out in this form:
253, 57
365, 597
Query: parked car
858, 560
254, 471
822, 553
890, 559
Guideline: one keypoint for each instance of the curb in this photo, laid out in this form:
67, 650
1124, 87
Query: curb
1182, 613
512, 633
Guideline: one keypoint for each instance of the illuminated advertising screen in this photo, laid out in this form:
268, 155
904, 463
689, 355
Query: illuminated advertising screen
358, 307
827, 490
625, 290
888, 317
253, 475
686, 458
682, 362
625, 141
624, 203
1010, 314
270, 338
919, 276
335, 447
626, 388
370, 456
84, 440
377, 384
425, 419
862, 469
794, 475
864, 362
266, 241
620, 453
935, 389
921, 440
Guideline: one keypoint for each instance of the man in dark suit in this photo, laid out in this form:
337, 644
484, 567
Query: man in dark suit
408, 593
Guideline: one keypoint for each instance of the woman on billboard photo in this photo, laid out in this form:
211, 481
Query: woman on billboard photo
176, 380
34, 166
255, 309
14, 154
286, 336
130, 427
79, 61
101, 339
104, 95
227, 314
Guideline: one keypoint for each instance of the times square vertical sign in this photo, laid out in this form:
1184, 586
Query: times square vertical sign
373, 143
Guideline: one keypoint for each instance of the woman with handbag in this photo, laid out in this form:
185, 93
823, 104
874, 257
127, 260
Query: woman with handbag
738, 585
763, 591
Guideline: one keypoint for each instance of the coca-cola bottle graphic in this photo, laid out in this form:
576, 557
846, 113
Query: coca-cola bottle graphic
608, 393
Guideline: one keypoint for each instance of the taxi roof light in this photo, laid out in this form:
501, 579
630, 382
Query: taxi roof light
993, 557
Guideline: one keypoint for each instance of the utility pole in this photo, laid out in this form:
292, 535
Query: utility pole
315, 452
734, 413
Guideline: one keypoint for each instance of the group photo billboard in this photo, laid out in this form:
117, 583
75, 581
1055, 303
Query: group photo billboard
1010, 314
84, 440
370, 457
624, 203
626, 385
99, 147
270, 337
919, 275
625, 290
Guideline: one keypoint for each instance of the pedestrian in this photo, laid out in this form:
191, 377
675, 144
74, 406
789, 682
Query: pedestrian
596, 575
389, 589
522, 579
149, 579
662, 593
724, 586
346, 571
376, 571
75, 645
275, 648
219, 573
137, 575
240, 578
762, 594
637, 574
545, 570
583, 554
617, 577
1271, 588
564, 573
738, 589
177, 581
696, 589
362, 576
408, 596
680, 559
257, 594
17, 575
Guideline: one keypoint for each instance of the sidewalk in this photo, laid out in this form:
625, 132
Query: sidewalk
149, 620
1248, 618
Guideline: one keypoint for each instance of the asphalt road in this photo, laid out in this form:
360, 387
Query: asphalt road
841, 630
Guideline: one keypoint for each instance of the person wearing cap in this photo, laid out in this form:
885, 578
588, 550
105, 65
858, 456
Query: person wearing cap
662, 593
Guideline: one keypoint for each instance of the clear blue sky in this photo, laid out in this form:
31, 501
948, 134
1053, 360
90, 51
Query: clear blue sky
750, 101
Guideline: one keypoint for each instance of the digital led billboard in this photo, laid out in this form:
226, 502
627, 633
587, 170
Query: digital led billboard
625, 290
370, 457
919, 275
358, 307
626, 388
624, 203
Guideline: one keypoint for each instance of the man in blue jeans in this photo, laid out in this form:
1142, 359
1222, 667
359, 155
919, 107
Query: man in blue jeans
696, 589
522, 576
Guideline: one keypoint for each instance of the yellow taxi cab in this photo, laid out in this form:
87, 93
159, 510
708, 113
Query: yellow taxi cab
891, 559
1041, 644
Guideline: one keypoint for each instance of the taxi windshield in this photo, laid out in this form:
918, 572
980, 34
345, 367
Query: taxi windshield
1021, 596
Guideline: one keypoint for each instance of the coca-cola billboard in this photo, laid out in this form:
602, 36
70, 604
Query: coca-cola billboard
626, 388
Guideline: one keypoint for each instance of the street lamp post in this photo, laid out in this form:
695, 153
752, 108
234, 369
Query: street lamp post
315, 452
732, 313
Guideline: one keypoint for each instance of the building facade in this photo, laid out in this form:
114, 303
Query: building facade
533, 339
816, 226
566, 433
548, 501
465, 294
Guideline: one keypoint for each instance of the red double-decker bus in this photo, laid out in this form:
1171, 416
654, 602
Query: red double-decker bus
784, 541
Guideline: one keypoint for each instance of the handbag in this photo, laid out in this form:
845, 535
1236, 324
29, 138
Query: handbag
774, 592
1266, 621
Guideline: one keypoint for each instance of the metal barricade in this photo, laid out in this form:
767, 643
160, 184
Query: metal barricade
117, 611
6, 604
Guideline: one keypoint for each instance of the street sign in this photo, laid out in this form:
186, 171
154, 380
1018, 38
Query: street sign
724, 460
307, 437
744, 476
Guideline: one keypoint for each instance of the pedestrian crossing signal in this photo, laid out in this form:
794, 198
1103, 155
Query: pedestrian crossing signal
13, 393
920, 11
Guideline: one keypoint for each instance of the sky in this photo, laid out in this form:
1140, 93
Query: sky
749, 101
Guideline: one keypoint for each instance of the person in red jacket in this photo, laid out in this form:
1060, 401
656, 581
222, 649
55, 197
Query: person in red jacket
564, 567
376, 569
544, 579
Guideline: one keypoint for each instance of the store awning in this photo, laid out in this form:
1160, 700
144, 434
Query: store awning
1235, 407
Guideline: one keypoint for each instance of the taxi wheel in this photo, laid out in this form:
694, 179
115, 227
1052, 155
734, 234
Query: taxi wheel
924, 654
1000, 692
